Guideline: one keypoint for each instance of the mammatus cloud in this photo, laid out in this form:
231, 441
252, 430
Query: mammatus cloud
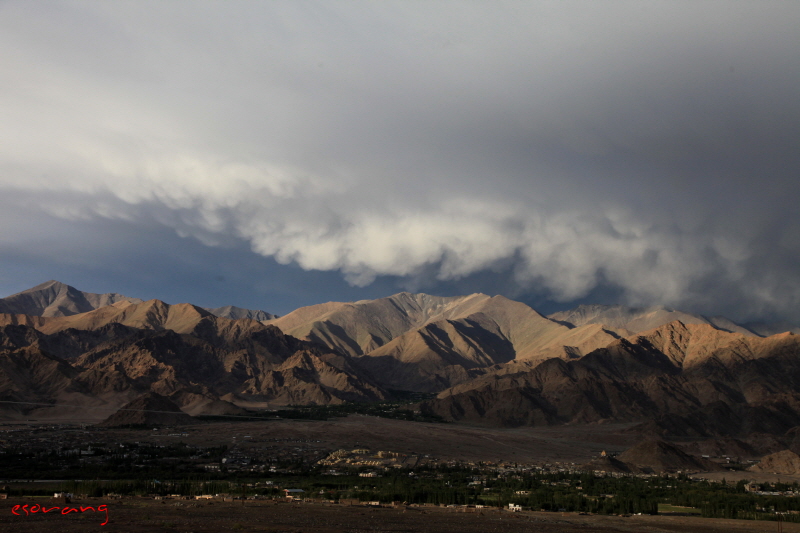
648, 147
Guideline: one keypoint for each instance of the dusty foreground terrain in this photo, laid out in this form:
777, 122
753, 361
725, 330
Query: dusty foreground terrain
273, 517
443, 441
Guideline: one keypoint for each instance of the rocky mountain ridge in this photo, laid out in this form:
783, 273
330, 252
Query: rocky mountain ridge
201, 362
637, 320
651, 456
682, 379
426, 343
55, 299
491, 360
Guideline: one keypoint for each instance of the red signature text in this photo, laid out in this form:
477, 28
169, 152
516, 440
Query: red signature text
29, 509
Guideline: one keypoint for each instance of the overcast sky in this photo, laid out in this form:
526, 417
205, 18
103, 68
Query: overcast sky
278, 154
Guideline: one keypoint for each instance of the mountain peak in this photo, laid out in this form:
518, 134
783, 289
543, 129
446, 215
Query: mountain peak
54, 284
661, 456
54, 298
231, 311
639, 319
148, 409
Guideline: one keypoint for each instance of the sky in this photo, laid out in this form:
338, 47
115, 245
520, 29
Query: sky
277, 154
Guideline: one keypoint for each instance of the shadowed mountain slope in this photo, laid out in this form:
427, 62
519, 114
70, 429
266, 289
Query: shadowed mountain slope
26, 371
660, 456
149, 409
54, 298
683, 379
609, 464
231, 311
115, 353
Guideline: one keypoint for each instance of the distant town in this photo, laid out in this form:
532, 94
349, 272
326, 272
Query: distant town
85, 463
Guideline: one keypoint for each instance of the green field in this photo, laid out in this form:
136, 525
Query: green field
667, 508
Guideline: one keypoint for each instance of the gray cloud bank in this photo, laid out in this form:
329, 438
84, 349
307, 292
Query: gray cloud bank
652, 147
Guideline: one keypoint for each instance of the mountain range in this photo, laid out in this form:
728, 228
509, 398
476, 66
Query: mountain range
685, 379
427, 343
489, 360
97, 361
53, 298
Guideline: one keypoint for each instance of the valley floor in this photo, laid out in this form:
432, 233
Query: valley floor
442, 441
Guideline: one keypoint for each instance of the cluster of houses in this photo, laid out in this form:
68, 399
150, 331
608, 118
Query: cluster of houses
379, 461
755, 488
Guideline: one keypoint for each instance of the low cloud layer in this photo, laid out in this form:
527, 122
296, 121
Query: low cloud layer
650, 148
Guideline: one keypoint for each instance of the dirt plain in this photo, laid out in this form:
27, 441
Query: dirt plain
442, 441
140, 516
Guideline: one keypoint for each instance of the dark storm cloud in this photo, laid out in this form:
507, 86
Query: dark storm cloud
648, 149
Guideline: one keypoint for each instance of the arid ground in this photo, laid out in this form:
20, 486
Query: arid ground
135, 516
443, 441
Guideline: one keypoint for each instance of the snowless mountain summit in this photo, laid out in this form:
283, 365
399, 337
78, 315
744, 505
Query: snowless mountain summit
53, 298
638, 319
